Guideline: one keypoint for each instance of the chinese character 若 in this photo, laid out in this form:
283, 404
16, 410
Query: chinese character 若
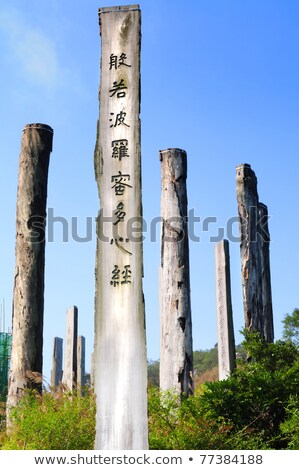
118, 89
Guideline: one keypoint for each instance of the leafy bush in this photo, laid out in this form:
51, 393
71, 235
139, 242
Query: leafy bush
255, 408
255, 398
52, 421
290, 427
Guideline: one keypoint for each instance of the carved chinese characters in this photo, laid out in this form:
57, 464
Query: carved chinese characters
120, 352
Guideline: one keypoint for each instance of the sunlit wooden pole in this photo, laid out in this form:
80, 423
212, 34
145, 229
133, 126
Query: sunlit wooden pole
176, 355
120, 345
247, 198
265, 275
28, 295
225, 326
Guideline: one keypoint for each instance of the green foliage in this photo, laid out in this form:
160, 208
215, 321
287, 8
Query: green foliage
187, 425
204, 360
175, 426
255, 408
291, 327
153, 368
290, 427
255, 398
53, 422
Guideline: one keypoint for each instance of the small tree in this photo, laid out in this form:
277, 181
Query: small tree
291, 327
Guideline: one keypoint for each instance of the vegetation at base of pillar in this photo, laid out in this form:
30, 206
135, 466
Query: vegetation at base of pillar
54, 421
255, 408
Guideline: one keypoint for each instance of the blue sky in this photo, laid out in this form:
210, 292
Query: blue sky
219, 80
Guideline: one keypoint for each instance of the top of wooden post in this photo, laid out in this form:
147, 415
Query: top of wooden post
244, 172
120, 9
38, 126
172, 151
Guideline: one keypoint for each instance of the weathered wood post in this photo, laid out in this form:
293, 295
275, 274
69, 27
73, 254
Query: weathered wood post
120, 344
247, 198
176, 354
265, 276
225, 326
28, 294
56, 373
69, 377
80, 363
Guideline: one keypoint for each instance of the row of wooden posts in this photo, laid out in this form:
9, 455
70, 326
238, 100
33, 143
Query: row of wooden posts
120, 361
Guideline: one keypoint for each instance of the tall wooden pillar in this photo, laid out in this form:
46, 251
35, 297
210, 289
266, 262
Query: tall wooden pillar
247, 198
255, 257
28, 295
56, 373
265, 276
176, 355
225, 326
120, 342
70, 349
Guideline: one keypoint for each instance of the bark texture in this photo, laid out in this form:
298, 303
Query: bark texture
265, 274
225, 326
254, 250
120, 345
56, 372
28, 295
176, 354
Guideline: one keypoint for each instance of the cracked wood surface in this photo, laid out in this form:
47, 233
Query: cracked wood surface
176, 354
28, 294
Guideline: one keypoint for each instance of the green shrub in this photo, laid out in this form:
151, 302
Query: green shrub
290, 427
255, 398
52, 421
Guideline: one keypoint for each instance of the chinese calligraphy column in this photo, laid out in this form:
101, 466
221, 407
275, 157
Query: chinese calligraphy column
176, 354
120, 344
225, 328
28, 295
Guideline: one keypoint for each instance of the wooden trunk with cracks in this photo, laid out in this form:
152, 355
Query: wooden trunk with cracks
265, 275
254, 251
176, 354
120, 362
28, 295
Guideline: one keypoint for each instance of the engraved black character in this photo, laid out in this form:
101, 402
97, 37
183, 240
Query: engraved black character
115, 276
117, 88
120, 183
119, 213
119, 119
120, 148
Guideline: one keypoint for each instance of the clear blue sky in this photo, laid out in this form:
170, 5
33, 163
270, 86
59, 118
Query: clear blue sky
219, 79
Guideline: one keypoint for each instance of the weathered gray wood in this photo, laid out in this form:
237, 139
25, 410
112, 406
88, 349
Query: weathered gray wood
225, 326
80, 363
28, 294
92, 370
247, 198
70, 352
176, 354
120, 345
56, 373
265, 275
255, 255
